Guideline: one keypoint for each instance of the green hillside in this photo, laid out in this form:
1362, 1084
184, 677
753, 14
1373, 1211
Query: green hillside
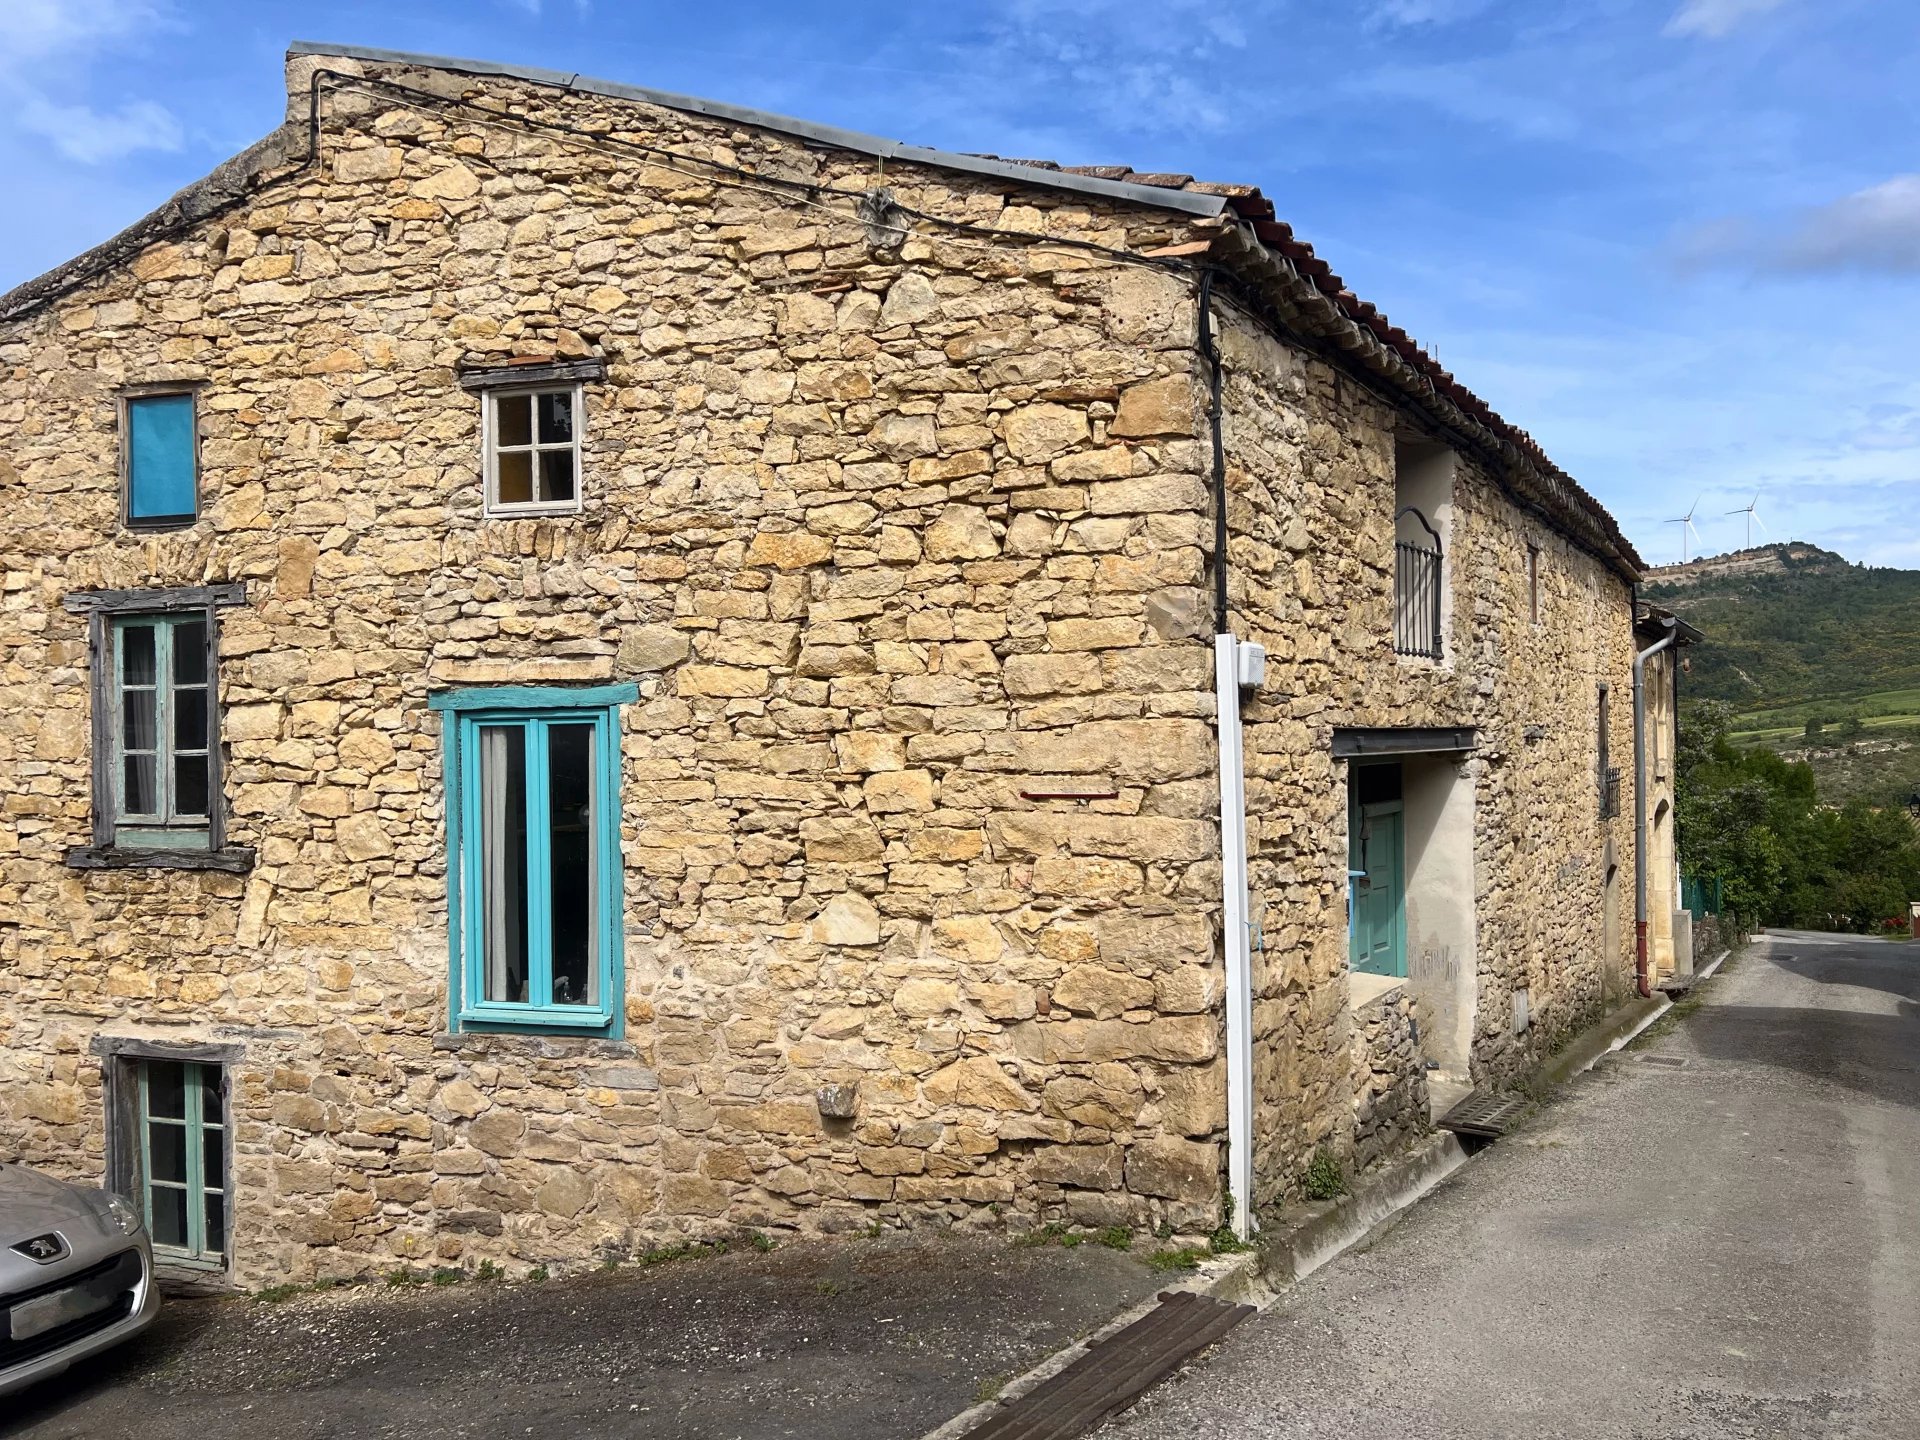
1793, 624
1819, 658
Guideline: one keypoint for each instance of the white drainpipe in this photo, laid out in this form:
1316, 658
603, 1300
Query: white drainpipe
1235, 664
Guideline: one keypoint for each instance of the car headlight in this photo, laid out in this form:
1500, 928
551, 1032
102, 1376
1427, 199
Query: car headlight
123, 1214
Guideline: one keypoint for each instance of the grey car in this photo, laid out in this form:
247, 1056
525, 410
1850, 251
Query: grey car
76, 1274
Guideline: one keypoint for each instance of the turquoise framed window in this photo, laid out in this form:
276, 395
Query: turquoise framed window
161, 713
534, 873
160, 459
183, 1161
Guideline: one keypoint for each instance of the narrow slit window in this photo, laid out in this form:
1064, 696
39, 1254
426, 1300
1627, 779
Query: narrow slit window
533, 450
1533, 583
161, 460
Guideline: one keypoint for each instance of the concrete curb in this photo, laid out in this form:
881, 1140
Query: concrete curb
1301, 1240
1234, 1278
1305, 1238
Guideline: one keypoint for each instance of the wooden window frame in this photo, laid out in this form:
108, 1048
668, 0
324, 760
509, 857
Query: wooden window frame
490, 399
197, 1254
103, 608
463, 713
124, 403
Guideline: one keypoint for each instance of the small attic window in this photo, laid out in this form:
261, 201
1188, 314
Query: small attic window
160, 458
533, 415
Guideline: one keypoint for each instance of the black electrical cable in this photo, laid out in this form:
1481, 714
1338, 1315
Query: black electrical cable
1210, 352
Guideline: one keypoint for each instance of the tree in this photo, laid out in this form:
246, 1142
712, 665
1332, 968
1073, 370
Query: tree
1755, 821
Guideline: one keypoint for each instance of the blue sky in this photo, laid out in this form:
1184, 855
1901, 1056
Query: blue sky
1678, 240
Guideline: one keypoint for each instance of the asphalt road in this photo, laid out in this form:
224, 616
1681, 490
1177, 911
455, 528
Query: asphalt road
859, 1339
1714, 1234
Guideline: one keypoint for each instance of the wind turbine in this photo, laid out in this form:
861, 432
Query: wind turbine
1685, 522
1752, 519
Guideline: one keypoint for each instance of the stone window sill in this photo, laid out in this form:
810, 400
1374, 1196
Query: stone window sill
235, 858
538, 1046
1364, 989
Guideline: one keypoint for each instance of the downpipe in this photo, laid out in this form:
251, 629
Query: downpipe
1229, 655
1640, 975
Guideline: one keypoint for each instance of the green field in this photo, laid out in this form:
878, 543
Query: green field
1876, 710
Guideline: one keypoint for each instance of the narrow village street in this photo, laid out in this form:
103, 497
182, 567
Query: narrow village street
1713, 1235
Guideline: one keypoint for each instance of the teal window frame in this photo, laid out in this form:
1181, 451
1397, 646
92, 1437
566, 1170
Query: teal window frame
160, 458
166, 825
207, 1227
534, 710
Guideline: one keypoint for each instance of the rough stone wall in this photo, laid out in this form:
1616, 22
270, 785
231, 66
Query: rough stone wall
1390, 1093
1311, 479
885, 537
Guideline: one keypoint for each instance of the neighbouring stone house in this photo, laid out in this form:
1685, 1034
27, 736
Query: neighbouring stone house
579, 667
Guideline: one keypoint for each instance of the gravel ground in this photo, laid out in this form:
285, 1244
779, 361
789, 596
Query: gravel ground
875, 1338
1722, 1247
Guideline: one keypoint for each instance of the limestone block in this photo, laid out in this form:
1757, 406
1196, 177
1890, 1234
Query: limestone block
962, 532
645, 648
362, 836
903, 790
1155, 407
1184, 1038
920, 999
910, 300
1088, 1167
1040, 432
1100, 992
1174, 1169
978, 1083
870, 751
789, 550
840, 840
846, 920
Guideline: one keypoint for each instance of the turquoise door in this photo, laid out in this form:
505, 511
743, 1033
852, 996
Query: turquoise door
1377, 897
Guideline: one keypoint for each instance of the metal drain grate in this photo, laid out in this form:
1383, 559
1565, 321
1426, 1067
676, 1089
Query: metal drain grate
1671, 1061
1488, 1114
1115, 1372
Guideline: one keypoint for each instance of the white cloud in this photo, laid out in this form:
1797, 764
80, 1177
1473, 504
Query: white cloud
44, 38
90, 136
1875, 230
1717, 19
35, 30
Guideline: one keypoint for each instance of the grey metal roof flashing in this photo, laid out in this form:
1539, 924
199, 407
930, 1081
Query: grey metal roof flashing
1185, 201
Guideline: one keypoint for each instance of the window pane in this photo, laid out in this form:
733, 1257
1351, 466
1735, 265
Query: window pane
216, 1239
556, 475
512, 420
169, 1216
190, 719
136, 655
166, 1093
556, 417
190, 786
516, 478
571, 859
141, 796
210, 1110
139, 725
189, 652
213, 1159
503, 860
160, 457
167, 1152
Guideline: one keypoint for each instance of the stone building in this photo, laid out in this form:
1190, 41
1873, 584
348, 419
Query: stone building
1669, 923
580, 667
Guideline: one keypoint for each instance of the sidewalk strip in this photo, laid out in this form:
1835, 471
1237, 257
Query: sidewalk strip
1115, 1372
